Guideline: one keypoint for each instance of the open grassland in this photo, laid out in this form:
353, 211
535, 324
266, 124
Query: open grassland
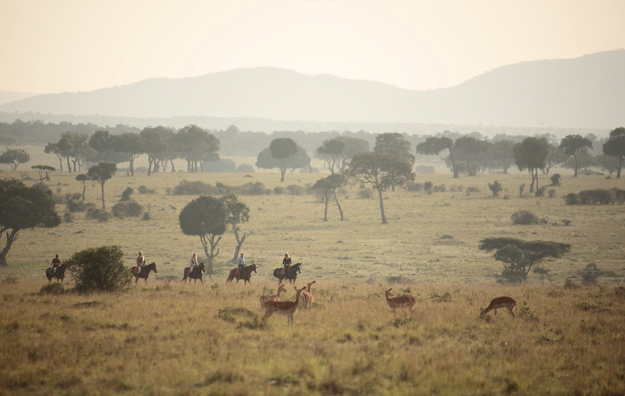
169, 338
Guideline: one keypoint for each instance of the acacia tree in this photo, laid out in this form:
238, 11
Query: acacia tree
327, 185
470, 151
238, 213
100, 141
556, 157
500, 155
23, 207
197, 146
331, 151
574, 145
101, 173
434, 145
83, 179
531, 154
153, 145
7, 141
14, 158
396, 144
520, 256
281, 149
351, 147
207, 218
380, 170
53, 148
615, 146
131, 144
43, 168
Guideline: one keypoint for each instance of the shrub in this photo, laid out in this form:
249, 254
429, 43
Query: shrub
555, 179
414, 186
589, 277
521, 188
78, 206
127, 209
525, 312
100, 270
440, 188
572, 199
455, 188
222, 165
257, 188
52, 288
541, 191
245, 168
127, 193
524, 217
145, 190
619, 291
424, 169
365, 194
194, 188
278, 190
473, 190
146, 216
552, 193
495, 188
98, 214
427, 186
619, 195
600, 196
294, 189
568, 284
68, 217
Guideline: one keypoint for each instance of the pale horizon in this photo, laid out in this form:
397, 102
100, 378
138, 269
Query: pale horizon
68, 46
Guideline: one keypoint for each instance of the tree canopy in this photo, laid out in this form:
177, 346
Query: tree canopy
101, 173
206, 217
331, 151
24, 207
14, 158
281, 149
327, 185
531, 154
434, 145
131, 144
396, 144
574, 145
615, 146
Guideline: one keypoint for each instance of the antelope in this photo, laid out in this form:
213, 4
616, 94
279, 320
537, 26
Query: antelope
266, 297
499, 302
307, 297
400, 302
284, 307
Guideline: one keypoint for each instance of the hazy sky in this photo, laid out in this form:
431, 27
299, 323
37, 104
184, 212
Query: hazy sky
80, 45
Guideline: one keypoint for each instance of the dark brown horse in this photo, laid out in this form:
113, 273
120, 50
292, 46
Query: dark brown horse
59, 274
291, 274
195, 275
245, 275
145, 272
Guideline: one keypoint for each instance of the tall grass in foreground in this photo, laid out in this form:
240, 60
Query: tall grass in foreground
167, 338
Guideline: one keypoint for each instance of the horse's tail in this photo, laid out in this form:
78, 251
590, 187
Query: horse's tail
230, 276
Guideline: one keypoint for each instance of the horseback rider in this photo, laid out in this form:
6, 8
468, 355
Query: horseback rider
56, 263
140, 262
241, 264
193, 263
287, 263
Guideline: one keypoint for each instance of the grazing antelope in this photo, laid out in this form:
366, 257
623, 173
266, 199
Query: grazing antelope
400, 302
284, 307
499, 302
307, 297
266, 297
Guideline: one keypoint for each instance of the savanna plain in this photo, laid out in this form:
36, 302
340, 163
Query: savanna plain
167, 337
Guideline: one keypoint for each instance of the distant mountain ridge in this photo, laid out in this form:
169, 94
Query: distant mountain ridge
585, 92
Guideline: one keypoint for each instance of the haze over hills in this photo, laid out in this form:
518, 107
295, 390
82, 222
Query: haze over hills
585, 92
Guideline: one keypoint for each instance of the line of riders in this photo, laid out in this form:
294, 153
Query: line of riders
194, 271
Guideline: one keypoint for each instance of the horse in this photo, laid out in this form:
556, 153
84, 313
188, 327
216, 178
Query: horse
195, 275
245, 274
59, 274
291, 275
145, 272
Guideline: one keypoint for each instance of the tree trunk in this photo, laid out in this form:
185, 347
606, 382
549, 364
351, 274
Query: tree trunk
620, 165
173, 167
575, 165
240, 241
61, 163
325, 213
210, 240
282, 172
149, 166
103, 206
536, 179
338, 204
532, 185
132, 166
11, 237
453, 164
84, 188
382, 206
69, 167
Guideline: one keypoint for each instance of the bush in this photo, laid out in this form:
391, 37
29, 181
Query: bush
127, 209
427, 186
572, 199
145, 190
52, 288
245, 168
555, 179
541, 191
257, 188
600, 196
414, 186
99, 270
78, 206
521, 188
194, 188
146, 216
552, 193
440, 188
473, 190
424, 169
365, 194
278, 190
455, 188
68, 217
524, 217
127, 193
294, 189
222, 165
495, 188
98, 214
589, 277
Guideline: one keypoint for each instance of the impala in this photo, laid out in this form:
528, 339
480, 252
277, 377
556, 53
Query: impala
284, 307
400, 302
307, 297
499, 302
266, 297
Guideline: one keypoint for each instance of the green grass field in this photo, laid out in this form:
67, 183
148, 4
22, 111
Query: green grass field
170, 338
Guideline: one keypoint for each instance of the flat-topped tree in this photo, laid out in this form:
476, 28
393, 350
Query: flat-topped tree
574, 145
380, 170
22, 208
101, 173
43, 168
615, 146
520, 256
434, 145
14, 158
207, 218
281, 149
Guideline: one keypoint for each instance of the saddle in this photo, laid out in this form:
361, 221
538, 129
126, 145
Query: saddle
237, 273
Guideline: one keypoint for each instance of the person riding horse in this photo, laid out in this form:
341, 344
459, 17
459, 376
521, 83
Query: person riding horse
140, 262
241, 264
287, 263
193, 263
56, 263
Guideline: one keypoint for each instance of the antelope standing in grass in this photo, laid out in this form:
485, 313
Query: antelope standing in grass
266, 297
499, 302
307, 297
400, 302
284, 307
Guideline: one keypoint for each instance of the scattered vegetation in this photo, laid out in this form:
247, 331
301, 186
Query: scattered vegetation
127, 209
524, 217
495, 187
99, 270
